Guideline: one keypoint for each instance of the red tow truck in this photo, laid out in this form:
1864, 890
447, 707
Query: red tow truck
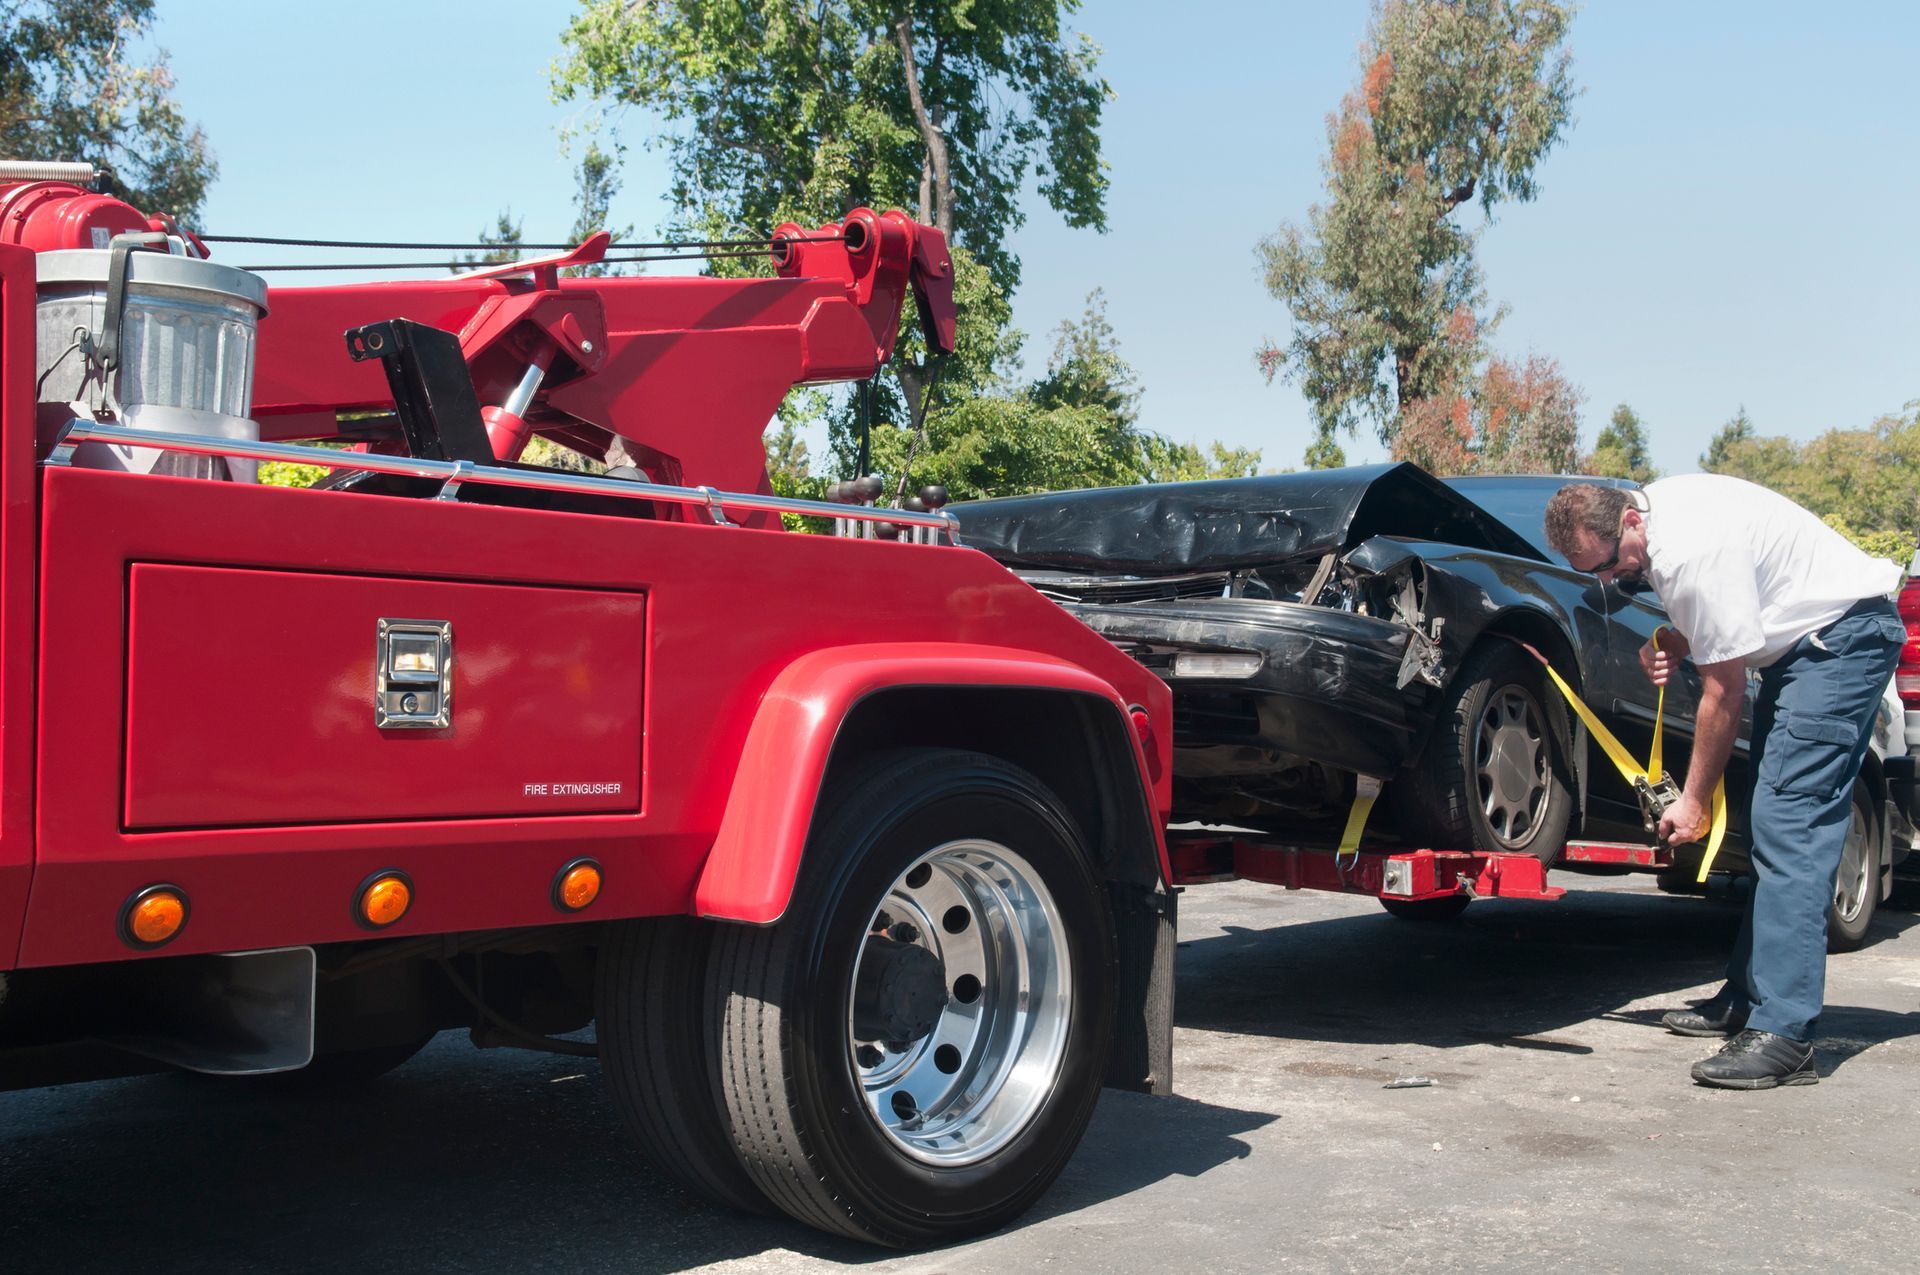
849, 847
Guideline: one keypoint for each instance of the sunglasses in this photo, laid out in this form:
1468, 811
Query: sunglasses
1613, 560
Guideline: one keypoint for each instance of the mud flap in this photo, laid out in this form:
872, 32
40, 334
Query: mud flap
1145, 934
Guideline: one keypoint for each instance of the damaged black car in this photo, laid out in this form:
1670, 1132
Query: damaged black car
1326, 628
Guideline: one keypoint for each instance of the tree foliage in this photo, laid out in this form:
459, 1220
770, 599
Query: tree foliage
783, 112
800, 112
72, 88
1621, 451
501, 243
1864, 482
597, 182
1512, 419
1075, 426
1737, 430
1460, 100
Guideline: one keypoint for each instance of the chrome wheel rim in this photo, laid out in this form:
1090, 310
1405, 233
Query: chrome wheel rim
1510, 765
1850, 885
960, 1093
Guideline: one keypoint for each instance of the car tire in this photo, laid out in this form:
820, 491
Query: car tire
1494, 775
657, 1052
1677, 881
1428, 911
1856, 886
956, 1128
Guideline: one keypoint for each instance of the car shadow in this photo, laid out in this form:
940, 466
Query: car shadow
458, 1161
1506, 973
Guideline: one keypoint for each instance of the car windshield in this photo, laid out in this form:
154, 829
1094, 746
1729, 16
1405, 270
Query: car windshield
1520, 501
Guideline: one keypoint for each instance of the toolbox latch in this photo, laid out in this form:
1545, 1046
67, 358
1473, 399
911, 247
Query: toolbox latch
413, 665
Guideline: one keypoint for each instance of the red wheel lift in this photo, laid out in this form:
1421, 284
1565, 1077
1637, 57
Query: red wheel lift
1411, 875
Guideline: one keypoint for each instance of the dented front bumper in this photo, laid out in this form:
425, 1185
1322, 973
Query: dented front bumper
1329, 685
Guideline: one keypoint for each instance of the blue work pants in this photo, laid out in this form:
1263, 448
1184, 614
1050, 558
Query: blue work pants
1811, 725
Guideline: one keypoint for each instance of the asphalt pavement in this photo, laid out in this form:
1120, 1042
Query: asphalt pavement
1560, 1129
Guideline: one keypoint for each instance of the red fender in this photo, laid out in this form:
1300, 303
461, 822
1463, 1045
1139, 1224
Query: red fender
756, 855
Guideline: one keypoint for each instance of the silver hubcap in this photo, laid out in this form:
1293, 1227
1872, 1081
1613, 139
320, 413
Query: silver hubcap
1856, 871
1510, 765
962, 1091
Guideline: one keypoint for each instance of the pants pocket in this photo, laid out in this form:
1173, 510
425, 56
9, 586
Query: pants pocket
1808, 753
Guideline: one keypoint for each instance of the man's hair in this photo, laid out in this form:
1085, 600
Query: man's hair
1596, 508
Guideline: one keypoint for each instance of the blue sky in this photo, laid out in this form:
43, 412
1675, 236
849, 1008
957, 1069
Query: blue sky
1729, 222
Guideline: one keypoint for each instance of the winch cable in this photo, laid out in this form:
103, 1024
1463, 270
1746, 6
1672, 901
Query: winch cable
1654, 771
675, 245
662, 250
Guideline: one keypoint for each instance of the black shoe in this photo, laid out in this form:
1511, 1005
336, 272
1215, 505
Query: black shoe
1714, 1017
1758, 1060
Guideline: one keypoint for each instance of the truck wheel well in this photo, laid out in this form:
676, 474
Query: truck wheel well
1076, 744
1080, 746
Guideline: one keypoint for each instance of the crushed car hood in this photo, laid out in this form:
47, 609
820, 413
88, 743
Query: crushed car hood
1228, 523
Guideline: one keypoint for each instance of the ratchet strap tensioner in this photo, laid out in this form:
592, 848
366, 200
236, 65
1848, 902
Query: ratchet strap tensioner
1651, 783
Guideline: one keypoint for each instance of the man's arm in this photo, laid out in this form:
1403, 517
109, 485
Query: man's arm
1723, 689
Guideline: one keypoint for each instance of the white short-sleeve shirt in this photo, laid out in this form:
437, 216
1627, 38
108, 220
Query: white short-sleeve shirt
1745, 573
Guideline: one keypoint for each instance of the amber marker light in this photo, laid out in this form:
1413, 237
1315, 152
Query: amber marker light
577, 885
384, 898
153, 916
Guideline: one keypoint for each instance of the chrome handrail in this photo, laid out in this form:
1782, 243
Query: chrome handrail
455, 473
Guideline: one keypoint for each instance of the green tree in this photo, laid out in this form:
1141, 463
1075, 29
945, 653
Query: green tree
1460, 100
1324, 453
1864, 482
1075, 426
1087, 370
1164, 461
598, 181
71, 88
1720, 448
1621, 451
799, 112
502, 244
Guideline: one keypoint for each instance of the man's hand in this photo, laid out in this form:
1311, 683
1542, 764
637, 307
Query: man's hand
1685, 820
1660, 664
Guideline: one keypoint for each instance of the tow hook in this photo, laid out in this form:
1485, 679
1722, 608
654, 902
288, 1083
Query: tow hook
899, 992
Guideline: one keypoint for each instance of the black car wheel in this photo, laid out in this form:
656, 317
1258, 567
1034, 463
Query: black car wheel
912, 1054
1493, 776
1856, 887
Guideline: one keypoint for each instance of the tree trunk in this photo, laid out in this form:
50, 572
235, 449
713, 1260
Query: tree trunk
936, 142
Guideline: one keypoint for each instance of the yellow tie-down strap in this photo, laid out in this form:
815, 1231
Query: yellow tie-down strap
1366, 789
1654, 772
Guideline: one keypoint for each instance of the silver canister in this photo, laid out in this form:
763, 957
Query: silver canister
187, 340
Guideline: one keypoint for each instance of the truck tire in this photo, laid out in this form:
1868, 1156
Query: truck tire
657, 1054
1856, 887
1494, 773
911, 1055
